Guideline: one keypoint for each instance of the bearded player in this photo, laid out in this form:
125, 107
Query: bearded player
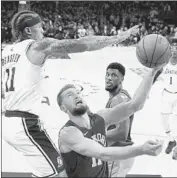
22, 73
83, 141
118, 134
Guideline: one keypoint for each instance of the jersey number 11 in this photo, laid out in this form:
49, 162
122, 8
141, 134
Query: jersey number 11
96, 162
10, 77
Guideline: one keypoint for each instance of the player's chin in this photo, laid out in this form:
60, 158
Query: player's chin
80, 110
108, 87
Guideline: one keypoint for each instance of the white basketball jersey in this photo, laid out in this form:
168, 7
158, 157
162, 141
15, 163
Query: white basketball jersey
170, 77
21, 79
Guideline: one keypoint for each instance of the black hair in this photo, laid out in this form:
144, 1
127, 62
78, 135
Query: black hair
118, 66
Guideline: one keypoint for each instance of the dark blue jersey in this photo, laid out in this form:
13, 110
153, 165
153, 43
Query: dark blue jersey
77, 165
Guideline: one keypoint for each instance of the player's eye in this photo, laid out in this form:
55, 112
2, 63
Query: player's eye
69, 95
78, 92
114, 75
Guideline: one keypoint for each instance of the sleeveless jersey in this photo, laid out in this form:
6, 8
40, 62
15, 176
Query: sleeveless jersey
170, 77
125, 95
20, 78
77, 165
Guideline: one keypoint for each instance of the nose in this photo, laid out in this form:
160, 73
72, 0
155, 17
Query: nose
108, 77
76, 96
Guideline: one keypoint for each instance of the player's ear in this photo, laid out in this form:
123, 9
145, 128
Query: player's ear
63, 108
27, 30
122, 79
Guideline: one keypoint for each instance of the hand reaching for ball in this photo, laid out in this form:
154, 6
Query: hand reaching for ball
152, 148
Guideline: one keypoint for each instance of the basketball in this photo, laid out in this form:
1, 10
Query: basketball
153, 50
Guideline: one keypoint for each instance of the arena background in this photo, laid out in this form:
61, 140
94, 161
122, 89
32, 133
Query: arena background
88, 69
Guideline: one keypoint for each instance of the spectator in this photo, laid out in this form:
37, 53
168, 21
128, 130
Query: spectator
81, 31
97, 31
89, 31
105, 31
153, 12
120, 30
167, 7
113, 31
59, 33
60, 20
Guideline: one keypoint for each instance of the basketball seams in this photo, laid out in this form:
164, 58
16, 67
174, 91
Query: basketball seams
154, 51
141, 58
145, 50
152, 56
162, 54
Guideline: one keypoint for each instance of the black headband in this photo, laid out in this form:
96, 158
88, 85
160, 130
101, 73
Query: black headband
29, 22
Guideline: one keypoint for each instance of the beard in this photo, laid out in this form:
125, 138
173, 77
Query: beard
111, 89
79, 110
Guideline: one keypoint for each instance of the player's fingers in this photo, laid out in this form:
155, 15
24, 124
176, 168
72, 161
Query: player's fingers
156, 147
151, 142
160, 141
158, 151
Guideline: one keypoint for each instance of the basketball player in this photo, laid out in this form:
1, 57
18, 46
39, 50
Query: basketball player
22, 73
169, 96
82, 140
119, 134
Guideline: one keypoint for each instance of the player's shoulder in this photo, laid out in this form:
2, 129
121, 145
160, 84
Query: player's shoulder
119, 98
40, 45
67, 131
96, 117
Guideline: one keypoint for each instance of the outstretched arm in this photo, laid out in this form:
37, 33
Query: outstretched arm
125, 110
91, 148
157, 75
43, 48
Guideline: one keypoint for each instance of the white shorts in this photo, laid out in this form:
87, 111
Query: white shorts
27, 136
169, 103
120, 168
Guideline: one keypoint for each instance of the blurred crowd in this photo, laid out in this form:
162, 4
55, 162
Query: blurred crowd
70, 20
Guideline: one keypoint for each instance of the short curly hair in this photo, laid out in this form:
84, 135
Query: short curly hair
118, 66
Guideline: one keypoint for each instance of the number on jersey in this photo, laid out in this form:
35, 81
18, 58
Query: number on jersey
171, 80
96, 162
10, 77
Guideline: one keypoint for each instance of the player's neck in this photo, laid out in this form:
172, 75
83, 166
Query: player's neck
81, 121
115, 92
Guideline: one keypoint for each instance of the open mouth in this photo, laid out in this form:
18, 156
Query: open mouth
79, 102
108, 83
